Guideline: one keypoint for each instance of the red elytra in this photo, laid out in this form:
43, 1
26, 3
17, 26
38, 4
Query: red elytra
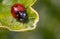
15, 8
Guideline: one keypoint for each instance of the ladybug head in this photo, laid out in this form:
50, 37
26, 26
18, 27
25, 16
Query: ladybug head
22, 16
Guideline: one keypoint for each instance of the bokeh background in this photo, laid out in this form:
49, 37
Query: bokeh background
48, 26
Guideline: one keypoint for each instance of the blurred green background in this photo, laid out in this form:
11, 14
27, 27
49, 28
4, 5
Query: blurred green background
48, 26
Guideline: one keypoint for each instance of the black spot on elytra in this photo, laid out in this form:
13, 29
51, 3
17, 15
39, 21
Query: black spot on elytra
16, 6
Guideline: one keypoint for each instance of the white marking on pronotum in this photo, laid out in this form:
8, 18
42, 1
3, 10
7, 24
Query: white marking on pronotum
24, 14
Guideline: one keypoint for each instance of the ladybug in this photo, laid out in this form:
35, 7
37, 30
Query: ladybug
19, 12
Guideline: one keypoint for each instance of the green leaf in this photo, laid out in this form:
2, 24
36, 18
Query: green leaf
7, 20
